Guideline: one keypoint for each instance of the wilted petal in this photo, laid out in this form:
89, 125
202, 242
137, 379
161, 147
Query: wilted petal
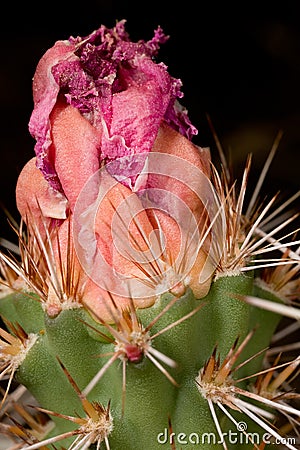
137, 112
116, 85
45, 92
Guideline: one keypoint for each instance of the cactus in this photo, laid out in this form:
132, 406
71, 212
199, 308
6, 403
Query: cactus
143, 307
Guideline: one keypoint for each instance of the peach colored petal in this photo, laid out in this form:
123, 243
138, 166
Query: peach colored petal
124, 235
76, 144
172, 234
36, 200
122, 226
70, 273
200, 288
170, 141
99, 302
173, 143
178, 249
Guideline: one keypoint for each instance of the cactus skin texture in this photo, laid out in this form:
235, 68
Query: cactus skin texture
183, 371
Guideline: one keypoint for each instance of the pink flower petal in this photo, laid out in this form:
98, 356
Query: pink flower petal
45, 92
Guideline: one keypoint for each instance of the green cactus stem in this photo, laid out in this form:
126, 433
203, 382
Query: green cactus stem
184, 330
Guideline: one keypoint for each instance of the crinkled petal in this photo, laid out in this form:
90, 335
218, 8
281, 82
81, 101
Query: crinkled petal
138, 110
45, 92
115, 84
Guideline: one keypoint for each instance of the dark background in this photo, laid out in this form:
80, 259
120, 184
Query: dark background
240, 65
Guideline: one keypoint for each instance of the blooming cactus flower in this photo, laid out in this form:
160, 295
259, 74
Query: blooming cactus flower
113, 151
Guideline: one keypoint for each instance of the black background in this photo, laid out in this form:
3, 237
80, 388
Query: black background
239, 64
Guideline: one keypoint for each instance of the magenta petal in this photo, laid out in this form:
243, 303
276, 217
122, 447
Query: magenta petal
137, 113
117, 86
45, 92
